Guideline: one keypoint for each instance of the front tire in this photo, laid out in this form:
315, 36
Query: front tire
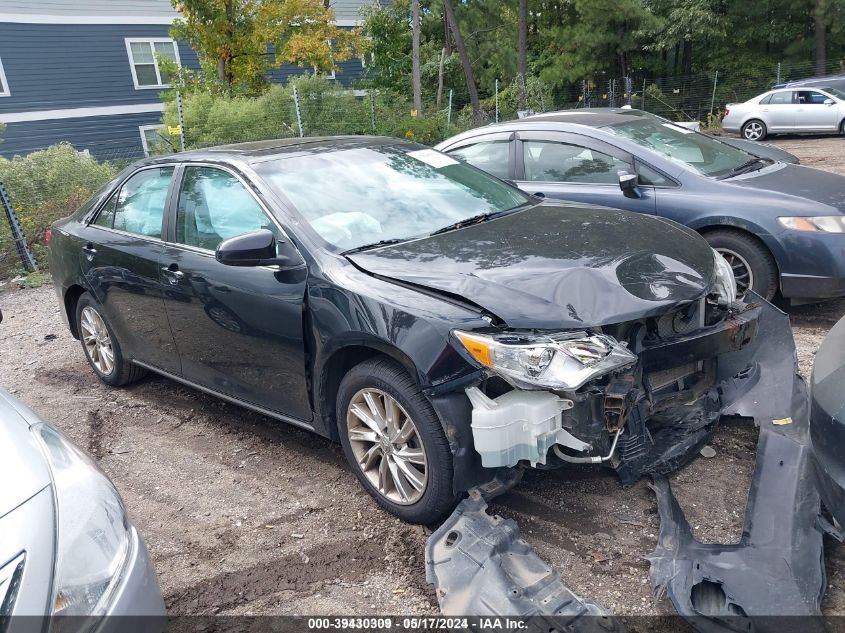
751, 262
754, 130
394, 442
101, 346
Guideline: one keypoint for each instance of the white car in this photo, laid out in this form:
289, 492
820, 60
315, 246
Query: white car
787, 110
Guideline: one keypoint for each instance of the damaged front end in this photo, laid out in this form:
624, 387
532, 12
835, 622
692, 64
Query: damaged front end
650, 417
641, 397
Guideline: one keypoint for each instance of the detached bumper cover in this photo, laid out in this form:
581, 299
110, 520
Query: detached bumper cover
481, 567
776, 569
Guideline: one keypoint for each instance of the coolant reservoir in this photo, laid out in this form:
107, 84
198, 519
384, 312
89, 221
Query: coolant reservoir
518, 425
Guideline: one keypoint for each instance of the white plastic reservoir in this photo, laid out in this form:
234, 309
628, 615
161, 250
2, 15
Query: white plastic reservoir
518, 425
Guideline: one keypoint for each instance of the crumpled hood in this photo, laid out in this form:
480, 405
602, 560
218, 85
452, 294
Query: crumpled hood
557, 265
797, 181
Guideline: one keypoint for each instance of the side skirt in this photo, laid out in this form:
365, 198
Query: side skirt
227, 398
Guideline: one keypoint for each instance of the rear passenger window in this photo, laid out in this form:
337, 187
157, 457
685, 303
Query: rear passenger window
489, 156
765, 100
780, 98
106, 215
139, 206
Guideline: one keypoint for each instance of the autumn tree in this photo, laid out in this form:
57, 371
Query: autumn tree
239, 41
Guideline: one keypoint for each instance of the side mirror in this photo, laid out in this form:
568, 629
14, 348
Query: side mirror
258, 248
829, 102
628, 185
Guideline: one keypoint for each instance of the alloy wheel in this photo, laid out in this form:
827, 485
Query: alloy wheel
387, 446
742, 271
753, 131
97, 340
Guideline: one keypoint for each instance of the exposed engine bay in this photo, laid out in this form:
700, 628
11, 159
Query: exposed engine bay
649, 413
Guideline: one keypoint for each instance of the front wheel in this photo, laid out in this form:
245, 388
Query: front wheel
101, 346
752, 264
394, 442
754, 130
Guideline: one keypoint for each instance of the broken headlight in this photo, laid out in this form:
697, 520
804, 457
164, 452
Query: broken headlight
562, 361
725, 287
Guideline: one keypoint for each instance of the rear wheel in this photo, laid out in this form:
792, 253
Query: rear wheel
751, 262
101, 347
754, 130
394, 442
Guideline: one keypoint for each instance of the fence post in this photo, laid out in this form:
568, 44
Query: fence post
629, 89
713, 98
778, 80
497, 101
642, 105
181, 122
298, 114
372, 111
449, 111
25, 255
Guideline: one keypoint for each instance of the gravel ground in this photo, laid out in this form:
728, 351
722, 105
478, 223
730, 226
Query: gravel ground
245, 515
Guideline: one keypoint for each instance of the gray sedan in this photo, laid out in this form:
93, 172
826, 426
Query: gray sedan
788, 110
66, 545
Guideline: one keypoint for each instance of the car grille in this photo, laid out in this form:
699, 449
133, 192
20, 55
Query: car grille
11, 575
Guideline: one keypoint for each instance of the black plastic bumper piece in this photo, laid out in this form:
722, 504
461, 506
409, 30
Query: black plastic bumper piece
481, 567
776, 569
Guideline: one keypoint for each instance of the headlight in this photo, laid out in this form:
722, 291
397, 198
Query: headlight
562, 361
93, 530
823, 223
725, 287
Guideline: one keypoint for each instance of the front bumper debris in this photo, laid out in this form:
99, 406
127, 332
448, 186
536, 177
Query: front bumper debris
481, 567
776, 569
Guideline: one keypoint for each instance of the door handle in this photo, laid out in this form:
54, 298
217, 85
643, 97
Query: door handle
173, 274
539, 194
89, 251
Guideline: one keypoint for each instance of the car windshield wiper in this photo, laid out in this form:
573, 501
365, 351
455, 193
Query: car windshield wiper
366, 247
746, 167
476, 219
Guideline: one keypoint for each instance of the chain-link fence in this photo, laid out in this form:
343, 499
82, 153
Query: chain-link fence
52, 182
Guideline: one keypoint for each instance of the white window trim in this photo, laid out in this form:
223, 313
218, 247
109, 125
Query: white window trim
5, 91
149, 40
143, 129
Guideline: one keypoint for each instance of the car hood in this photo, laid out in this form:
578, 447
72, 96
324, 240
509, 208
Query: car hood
23, 470
799, 181
557, 265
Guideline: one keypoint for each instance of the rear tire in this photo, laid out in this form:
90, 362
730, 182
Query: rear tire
381, 456
754, 130
744, 251
101, 347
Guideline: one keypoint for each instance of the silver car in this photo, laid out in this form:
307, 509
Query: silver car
66, 545
788, 110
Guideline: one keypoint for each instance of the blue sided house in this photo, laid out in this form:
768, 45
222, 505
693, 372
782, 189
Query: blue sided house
85, 72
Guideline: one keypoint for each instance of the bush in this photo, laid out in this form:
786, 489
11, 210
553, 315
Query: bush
43, 187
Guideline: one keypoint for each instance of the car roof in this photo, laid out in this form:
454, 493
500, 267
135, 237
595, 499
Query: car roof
592, 117
257, 151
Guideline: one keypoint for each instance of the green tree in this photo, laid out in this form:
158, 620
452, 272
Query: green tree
239, 41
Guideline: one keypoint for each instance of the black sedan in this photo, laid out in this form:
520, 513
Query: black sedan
442, 325
781, 226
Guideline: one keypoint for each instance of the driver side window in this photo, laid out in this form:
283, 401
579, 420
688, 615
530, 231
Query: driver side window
548, 161
214, 206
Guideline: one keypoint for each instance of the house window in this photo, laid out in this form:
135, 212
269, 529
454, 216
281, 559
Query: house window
151, 135
143, 60
4, 86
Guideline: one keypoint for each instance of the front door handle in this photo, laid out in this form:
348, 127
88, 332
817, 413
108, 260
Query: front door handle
539, 194
89, 251
173, 274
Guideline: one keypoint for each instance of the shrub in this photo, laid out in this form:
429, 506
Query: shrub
43, 187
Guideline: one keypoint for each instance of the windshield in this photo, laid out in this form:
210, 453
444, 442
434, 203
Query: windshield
836, 92
365, 195
701, 153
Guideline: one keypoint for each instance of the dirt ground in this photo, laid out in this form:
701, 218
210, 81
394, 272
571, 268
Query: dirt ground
245, 515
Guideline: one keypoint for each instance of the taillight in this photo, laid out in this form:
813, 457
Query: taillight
48, 235
727, 112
